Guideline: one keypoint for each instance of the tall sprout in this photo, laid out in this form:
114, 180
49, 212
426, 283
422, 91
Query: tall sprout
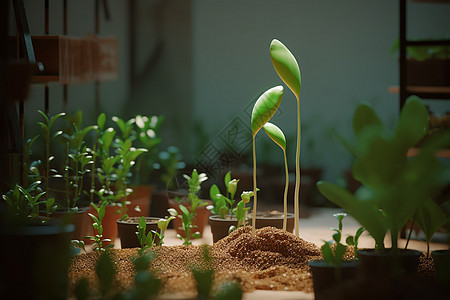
263, 110
277, 136
288, 70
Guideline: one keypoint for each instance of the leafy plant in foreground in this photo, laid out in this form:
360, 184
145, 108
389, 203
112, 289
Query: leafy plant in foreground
223, 204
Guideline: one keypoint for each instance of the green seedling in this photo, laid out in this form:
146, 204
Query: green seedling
241, 210
263, 110
24, 202
333, 257
162, 225
353, 240
223, 204
277, 136
48, 136
146, 240
288, 70
186, 224
98, 227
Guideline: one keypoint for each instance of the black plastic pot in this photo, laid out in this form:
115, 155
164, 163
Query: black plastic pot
388, 262
220, 227
127, 230
274, 220
441, 260
34, 259
326, 277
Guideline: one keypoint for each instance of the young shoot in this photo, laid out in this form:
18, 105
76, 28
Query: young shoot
98, 227
263, 110
277, 136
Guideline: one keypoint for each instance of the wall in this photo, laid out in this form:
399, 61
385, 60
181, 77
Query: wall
214, 63
343, 49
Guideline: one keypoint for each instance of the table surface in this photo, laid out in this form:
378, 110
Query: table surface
314, 229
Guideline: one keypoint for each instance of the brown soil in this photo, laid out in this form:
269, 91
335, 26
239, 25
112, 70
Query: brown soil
271, 260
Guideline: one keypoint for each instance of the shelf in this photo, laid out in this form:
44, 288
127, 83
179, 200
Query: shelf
427, 92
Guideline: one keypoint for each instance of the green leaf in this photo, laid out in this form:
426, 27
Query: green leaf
227, 179
430, 218
286, 66
142, 224
350, 240
275, 134
265, 107
413, 122
327, 253
101, 120
363, 116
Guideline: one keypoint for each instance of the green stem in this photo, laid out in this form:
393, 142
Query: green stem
254, 188
67, 175
297, 172
285, 190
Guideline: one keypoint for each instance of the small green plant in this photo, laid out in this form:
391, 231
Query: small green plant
78, 160
169, 162
352, 240
263, 110
241, 210
98, 227
187, 225
288, 70
334, 256
223, 205
146, 133
204, 275
162, 225
146, 240
23, 203
48, 136
277, 136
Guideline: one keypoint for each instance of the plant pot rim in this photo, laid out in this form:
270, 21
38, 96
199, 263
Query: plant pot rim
260, 215
389, 252
220, 219
323, 264
135, 220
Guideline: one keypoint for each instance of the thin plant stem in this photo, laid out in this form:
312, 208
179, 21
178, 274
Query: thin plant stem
297, 172
410, 230
67, 175
254, 188
285, 190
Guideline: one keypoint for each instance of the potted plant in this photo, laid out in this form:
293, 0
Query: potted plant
426, 65
147, 231
337, 265
114, 159
192, 215
32, 243
144, 132
394, 187
226, 216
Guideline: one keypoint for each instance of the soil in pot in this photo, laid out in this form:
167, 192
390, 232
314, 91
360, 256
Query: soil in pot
274, 219
388, 263
326, 277
220, 227
273, 259
127, 230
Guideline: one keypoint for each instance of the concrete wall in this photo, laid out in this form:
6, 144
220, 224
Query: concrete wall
203, 63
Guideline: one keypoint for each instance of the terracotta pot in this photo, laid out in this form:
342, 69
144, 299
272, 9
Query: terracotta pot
201, 219
109, 222
326, 277
79, 219
140, 197
388, 263
127, 230
34, 260
220, 227
274, 219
